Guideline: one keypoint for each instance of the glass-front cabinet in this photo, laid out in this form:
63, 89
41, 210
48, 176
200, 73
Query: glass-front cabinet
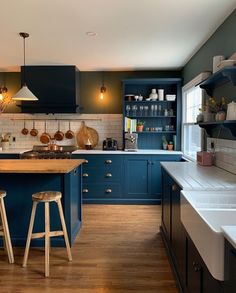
151, 108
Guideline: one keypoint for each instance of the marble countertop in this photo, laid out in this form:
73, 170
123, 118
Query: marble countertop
15, 151
191, 176
138, 152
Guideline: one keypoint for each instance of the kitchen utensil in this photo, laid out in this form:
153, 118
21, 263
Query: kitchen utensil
45, 137
24, 131
86, 133
69, 134
34, 131
59, 135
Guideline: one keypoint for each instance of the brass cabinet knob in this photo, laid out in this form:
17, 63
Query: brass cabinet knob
108, 175
108, 190
86, 161
85, 175
174, 187
108, 161
85, 190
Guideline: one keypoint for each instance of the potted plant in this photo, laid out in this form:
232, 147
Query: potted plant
170, 146
215, 109
140, 125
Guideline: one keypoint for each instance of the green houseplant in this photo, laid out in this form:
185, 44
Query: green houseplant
140, 125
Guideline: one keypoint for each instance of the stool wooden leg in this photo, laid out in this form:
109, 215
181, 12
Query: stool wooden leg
47, 238
64, 229
31, 225
6, 232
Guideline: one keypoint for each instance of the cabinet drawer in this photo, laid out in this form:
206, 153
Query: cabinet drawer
101, 190
101, 160
104, 174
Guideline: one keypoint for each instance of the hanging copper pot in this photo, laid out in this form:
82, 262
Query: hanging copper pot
59, 135
69, 134
24, 131
34, 131
45, 137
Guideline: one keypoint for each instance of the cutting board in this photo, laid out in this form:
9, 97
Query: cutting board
87, 133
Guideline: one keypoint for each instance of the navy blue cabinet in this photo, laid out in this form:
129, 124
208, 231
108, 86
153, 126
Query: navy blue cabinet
160, 117
230, 268
127, 178
190, 270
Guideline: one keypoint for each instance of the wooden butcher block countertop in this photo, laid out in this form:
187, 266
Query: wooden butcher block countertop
39, 166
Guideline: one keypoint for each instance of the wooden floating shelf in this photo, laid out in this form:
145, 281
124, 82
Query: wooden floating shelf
209, 126
144, 101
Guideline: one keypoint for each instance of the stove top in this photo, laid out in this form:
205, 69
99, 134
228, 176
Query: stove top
46, 155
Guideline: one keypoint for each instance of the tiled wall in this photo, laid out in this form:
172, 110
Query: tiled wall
225, 153
107, 125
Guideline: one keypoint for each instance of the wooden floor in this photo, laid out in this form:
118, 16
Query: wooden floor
118, 250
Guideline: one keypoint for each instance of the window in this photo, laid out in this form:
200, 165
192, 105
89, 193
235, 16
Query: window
191, 133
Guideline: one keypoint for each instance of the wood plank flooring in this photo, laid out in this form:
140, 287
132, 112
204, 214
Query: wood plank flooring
118, 250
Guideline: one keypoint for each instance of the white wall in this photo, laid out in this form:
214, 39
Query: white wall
225, 153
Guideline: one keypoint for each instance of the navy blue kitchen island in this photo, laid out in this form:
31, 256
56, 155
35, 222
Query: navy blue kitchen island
22, 178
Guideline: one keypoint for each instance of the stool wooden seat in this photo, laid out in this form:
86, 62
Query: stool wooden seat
4, 229
46, 197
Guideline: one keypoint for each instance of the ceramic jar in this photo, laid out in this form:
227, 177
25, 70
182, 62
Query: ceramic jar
153, 96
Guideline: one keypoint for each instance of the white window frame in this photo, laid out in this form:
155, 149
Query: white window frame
185, 89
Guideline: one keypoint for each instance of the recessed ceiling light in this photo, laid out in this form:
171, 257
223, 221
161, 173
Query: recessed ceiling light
91, 34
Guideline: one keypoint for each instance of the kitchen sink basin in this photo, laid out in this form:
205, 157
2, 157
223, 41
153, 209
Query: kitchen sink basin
203, 214
213, 199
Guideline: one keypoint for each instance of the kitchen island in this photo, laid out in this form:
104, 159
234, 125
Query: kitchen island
22, 178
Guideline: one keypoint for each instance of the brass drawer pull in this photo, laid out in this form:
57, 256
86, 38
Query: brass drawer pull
108, 161
174, 187
85, 175
85, 190
108, 190
108, 175
86, 161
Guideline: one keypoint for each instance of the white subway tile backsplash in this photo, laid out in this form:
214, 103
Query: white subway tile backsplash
107, 125
225, 153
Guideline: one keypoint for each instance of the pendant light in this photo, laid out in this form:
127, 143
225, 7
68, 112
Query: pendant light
24, 94
102, 89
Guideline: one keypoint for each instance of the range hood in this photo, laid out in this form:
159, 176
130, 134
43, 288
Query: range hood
57, 89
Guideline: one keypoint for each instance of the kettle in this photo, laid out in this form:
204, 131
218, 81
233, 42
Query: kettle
231, 111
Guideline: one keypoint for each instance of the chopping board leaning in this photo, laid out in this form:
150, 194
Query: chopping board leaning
86, 134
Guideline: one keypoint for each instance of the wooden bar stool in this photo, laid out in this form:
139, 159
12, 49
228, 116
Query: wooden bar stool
4, 230
46, 197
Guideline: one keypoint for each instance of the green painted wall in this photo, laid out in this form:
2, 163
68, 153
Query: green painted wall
222, 42
112, 103
90, 83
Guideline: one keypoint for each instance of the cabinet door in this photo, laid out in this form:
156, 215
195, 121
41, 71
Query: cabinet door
230, 268
155, 178
194, 269
136, 176
166, 203
178, 234
155, 172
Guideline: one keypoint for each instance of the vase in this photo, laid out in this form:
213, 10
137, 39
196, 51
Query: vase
153, 96
207, 117
221, 116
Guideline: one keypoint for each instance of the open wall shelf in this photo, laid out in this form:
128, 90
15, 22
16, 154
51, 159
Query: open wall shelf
209, 126
224, 75
136, 87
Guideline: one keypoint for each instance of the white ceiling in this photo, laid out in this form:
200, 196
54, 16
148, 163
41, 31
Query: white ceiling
132, 34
